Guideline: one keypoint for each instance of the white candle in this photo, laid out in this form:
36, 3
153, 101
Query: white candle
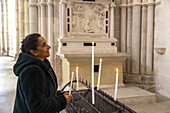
77, 78
116, 84
92, 72
71, 83
100, 67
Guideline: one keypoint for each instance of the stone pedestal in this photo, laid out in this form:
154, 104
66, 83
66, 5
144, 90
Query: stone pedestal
83, 61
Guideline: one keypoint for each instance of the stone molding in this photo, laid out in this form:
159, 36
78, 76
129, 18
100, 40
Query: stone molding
141, 4
32, 4
50, 3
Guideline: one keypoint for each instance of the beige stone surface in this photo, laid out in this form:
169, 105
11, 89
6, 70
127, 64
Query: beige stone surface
132, 95
8, 87
136, 37
76, 45
161, 106
162, 40
83, 61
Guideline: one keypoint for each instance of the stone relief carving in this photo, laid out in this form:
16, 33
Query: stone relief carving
88, 18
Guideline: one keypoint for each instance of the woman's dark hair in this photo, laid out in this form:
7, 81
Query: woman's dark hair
30, 42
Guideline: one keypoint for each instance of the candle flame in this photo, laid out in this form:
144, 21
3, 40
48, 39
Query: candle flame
72, 73
77, 67
100, 60
117, 70
92, 43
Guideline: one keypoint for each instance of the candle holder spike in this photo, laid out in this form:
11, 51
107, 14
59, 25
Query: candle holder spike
89, 84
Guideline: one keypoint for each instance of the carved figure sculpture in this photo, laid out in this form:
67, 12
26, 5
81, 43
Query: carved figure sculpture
88, 18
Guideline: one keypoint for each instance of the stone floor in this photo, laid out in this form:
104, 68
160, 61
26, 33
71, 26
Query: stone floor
8, 85
140, 100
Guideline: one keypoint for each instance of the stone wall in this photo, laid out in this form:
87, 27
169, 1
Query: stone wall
162, 40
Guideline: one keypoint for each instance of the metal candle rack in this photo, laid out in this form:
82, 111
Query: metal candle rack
104, 103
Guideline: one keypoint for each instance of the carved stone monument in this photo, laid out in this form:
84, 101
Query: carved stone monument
81, 23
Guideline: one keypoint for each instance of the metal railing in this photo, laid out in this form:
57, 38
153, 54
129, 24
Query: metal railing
104, 103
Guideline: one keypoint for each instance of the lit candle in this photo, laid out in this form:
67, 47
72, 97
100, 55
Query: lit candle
71, 83
100, 66
77, 78
92, 72
116, 84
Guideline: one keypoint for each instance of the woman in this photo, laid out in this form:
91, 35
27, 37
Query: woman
37, 82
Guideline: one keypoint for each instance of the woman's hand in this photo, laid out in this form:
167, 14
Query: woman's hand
68, 97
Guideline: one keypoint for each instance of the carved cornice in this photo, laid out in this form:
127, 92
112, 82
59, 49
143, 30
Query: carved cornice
42, 4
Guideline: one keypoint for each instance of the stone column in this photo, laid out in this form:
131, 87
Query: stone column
10, 29
58, 61
123, 31
112, 20
63, 19
7, 30
136, 37
17, 29
26, 17
51, 29
33, 16
60, 19
39, 16
0, 27
21, 20
43, 19
143, 38
149, 49
3, 29
123, 26
129, 35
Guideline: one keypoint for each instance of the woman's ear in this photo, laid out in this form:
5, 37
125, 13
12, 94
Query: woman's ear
33, 52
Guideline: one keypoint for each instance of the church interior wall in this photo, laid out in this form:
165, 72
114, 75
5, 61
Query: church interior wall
162, 40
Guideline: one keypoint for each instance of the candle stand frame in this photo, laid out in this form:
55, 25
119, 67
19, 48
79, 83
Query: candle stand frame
104, 103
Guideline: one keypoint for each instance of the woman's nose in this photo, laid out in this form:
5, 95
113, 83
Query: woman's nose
49, 46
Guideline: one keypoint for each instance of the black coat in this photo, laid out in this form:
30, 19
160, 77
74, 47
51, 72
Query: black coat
36, 87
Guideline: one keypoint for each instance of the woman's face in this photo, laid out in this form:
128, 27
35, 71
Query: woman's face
42, 48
